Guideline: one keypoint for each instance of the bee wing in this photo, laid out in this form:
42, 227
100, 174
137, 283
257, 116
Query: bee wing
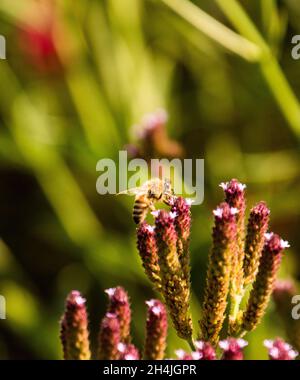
132, 191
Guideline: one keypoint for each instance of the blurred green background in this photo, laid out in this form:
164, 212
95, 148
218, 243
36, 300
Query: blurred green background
77, 76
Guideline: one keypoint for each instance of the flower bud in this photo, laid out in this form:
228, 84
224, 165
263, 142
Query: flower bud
279, 350
154, 138
206, 350
119, 305
182, 222
175, 288
109, 338
264, 281
235, 197
233, 348
183, 355
156, 331
283, 293
218, 273
256, 229
148, 252
74, 328
128, 352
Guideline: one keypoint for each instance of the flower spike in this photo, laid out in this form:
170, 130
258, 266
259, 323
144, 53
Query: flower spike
128, 352
182, 210
283, 293
74, 328
256, 229
280, 350
175, 288
119, 305
206, 350
233, 348
264, 282
156, 331
218, 273
148, 252
109, 338
235, 197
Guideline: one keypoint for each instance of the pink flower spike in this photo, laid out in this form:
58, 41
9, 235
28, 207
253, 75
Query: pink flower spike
223, 185
233, 348
189, 201
156, 331
172, 214
128, 352
150, 228
74, 328
109, 337
234, 211
206, 350
284, 244
218, 212
147, 248
120, 306
268, 235
155, 213
278, 349
110, 292
196, 355
233, 186
182, 355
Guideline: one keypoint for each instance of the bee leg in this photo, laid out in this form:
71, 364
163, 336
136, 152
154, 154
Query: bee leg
152, 207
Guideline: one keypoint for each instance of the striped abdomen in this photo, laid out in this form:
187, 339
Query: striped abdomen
140, 209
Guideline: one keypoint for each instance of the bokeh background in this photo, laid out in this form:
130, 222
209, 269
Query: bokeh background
77, 77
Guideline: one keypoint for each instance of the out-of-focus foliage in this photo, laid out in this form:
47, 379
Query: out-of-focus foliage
78, 75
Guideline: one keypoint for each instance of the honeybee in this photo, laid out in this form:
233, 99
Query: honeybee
147, 194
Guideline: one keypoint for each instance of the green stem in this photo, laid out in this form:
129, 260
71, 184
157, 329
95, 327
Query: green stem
235, 305
191, 343
234, 313
270, 68
250, 45
214, 29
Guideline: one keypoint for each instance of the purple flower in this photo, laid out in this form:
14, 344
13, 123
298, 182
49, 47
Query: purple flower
206, 350
256, 230
109, 338
280, 350
182, 208
148, 252
218, 272
156, 331
233, 348
182, 211
264, 282
119, 305
175, 287
183, 355
235, 197
284, 291
283, 288
74, 328
128, 352
153, 137
153, 120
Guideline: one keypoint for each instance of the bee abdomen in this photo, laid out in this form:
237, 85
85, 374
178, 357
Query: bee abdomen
139, 211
